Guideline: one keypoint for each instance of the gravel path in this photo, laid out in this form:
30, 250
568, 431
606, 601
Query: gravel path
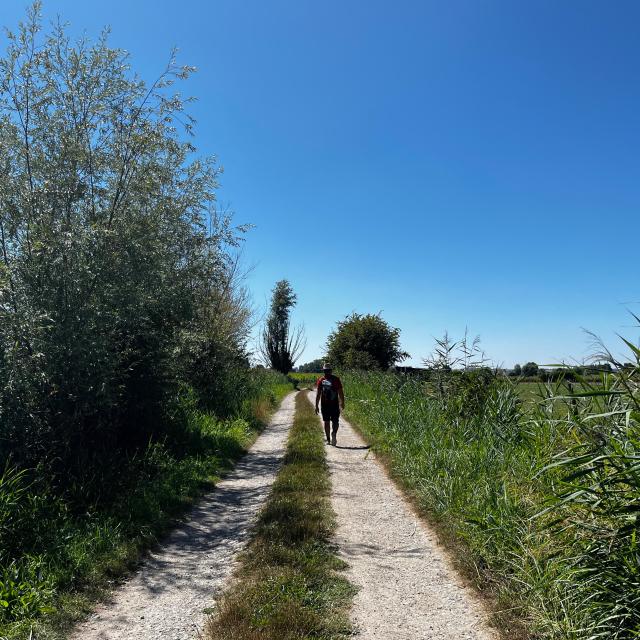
166, 599
408, 588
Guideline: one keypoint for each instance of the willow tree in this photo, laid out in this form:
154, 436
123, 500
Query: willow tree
114, 275
280, 345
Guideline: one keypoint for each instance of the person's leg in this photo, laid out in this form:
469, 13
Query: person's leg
335, 422
326, 430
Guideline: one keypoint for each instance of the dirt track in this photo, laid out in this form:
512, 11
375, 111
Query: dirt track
408, 588
166, 599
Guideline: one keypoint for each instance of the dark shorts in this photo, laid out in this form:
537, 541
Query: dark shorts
330, 414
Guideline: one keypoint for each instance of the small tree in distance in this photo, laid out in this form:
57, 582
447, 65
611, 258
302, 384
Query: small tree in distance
279, 346
315, 366
530, 369
365, 342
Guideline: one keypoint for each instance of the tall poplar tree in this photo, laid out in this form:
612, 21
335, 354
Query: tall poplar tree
280, 346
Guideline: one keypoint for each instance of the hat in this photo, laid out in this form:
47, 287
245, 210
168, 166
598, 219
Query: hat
326, 366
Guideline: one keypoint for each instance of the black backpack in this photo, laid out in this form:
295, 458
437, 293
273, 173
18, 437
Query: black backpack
328, 390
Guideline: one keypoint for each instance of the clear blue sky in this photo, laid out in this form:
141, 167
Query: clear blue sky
450, 163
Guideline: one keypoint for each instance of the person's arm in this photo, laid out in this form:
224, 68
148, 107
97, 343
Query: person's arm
341, 396
318, 394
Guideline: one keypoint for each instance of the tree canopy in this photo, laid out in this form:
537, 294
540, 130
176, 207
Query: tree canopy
117, 276
315, 366
280, 346
365, 341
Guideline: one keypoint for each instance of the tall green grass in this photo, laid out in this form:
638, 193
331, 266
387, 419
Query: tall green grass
541, 504
56, 559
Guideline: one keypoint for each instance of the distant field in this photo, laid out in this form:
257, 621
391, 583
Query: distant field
305, 379
529, 391
532, 393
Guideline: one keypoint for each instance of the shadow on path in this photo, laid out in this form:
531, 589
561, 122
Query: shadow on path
179, 580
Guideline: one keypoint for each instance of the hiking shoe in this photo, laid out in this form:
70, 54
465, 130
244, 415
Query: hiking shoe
333, 439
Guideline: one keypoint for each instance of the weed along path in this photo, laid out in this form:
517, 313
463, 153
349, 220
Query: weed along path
170, 596
408, 589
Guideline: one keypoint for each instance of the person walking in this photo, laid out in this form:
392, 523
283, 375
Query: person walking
329, 401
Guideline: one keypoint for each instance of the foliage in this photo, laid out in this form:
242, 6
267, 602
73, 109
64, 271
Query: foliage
543, 501
455, 366
364, 342
280, 346
530, 369
116, 273
598, 497
315, 366
124, 379
288, 584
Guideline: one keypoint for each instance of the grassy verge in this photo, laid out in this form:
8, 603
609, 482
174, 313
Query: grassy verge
475, 479
537, 500
79, 556
289, 585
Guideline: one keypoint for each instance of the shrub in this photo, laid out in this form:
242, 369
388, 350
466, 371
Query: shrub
116, 279
364, 342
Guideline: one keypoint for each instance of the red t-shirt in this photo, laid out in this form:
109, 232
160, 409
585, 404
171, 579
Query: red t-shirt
329, 387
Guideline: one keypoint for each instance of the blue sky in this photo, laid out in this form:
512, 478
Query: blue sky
450, 164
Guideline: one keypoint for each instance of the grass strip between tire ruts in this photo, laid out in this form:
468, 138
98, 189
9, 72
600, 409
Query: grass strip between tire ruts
289, 584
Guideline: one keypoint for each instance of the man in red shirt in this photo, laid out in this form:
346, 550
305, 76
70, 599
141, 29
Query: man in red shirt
330, 397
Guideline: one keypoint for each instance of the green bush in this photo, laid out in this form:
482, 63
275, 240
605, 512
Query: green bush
366, 342
117, 280
25, 589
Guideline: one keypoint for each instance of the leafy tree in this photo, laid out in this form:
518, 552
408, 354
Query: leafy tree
530, 369
315, 366
516, 371
364, 342
116, 274
280, 346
